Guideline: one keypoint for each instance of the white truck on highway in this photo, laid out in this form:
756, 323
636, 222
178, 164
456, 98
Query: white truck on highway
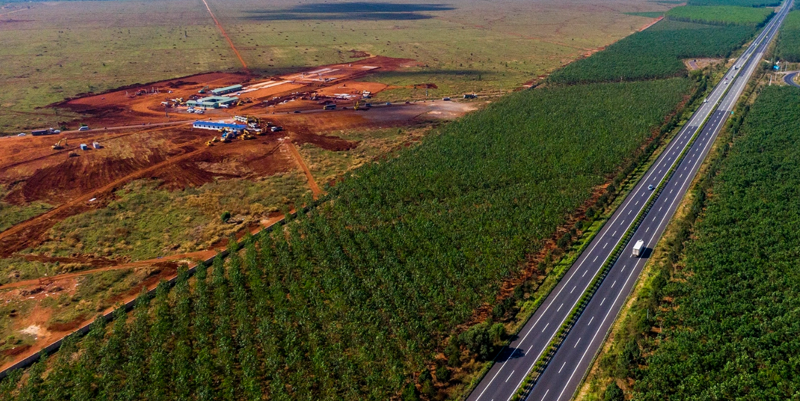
638, 248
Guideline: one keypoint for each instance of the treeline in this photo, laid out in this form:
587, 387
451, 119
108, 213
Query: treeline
655, 53
788, 46
353, 299
721, 15
726, 314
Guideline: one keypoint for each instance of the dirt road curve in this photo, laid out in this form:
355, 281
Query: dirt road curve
313, 184
230, 42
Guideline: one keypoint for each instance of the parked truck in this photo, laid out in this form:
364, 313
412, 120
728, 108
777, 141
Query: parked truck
638, 248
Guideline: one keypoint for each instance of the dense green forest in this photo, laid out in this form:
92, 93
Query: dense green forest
655, 53
731, 323
788, 47
740, 3
721, 15
357, 294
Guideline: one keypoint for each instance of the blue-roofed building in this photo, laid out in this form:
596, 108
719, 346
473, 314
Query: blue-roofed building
217, 126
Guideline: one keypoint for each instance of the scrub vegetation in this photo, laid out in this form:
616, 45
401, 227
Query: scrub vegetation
11, 214
146, 221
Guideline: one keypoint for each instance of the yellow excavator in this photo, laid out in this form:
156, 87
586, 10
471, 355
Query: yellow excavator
247, 136
60, 144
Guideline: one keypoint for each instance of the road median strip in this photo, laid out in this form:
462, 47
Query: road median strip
547, 354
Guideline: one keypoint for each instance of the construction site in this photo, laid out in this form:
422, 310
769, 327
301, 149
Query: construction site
211, 133
220, 96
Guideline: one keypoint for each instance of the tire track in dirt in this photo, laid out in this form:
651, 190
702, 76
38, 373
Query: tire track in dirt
225, 34
315, 189
201, 255
30, 232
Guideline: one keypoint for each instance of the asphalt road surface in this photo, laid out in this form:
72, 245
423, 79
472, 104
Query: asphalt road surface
566, 370
789, 79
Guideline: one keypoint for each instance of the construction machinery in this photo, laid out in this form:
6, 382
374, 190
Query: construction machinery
212, 141
60, 144
227, 135
201, 91
361, 105
247, 136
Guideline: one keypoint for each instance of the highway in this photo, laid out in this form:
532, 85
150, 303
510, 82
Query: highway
566, 369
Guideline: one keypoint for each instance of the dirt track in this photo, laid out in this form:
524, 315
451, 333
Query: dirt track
299, 159
200, 255
230, 42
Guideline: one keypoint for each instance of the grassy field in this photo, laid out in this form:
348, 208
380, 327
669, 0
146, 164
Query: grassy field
54, 50
788, 47
327, 165
720, 15
145, 222
13, 214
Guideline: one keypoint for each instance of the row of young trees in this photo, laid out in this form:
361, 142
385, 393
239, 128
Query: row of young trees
353, 297
730, 316
655, 53
739, 3
721, 15
788, 46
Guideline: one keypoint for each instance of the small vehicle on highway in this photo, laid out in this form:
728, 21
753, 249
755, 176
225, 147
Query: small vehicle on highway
650, 187
638, 248
22, 134
83, 128
388, 103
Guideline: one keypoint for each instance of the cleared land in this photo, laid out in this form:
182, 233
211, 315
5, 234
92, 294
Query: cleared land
720, 15
729, 315
788, 47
